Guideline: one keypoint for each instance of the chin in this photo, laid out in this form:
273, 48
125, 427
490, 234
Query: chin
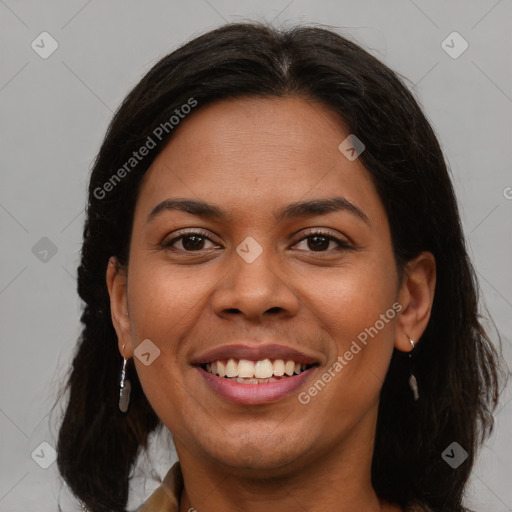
252, 457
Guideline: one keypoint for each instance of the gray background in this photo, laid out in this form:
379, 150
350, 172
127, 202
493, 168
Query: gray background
54, 113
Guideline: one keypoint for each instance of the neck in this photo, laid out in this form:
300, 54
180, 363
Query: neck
336, 480
232, 494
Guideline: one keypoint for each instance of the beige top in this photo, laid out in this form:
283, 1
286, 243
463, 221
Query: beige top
166, 498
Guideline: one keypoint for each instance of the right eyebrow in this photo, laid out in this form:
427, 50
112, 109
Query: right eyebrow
199, 208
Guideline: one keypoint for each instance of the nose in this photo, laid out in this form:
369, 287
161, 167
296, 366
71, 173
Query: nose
256, 290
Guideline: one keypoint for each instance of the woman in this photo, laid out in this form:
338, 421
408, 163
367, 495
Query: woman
273, 261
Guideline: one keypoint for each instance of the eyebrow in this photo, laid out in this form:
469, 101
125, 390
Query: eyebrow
297, 209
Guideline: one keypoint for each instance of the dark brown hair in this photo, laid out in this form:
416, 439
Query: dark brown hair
455, 363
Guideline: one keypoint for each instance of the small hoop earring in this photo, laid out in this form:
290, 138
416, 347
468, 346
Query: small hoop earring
413, 383
125, 388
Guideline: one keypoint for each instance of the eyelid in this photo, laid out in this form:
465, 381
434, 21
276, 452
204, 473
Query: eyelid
344, 241
169, 240
324, 232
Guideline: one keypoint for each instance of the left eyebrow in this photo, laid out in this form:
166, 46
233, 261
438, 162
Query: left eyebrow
304, 208
320, 207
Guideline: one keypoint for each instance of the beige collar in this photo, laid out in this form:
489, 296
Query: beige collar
166, 498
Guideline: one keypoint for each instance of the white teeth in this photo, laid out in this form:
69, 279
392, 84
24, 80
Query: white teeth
246, 381
289, 368
232, 368
278, 367
245, 368
254, 380
254, 372
221, 368
263, 369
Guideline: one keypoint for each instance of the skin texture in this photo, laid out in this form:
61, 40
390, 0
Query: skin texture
252, 157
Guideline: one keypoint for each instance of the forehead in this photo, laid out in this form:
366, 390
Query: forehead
251, 154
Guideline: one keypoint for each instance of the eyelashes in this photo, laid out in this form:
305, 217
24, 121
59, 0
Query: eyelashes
319, 234
191, 239
168, 244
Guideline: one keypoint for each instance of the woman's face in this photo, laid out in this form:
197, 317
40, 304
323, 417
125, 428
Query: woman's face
250, 285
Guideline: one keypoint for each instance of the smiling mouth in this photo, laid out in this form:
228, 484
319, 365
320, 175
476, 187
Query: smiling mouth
255, 372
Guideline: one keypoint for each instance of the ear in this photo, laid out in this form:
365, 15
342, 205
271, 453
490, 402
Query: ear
117, 289
416, 296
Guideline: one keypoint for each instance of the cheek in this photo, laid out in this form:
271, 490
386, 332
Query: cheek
348, 300
165, 305
166, 391
358, 308
166, 301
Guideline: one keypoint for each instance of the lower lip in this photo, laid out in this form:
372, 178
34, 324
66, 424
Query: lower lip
255, 393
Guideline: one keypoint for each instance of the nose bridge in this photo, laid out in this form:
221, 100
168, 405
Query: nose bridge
254, 284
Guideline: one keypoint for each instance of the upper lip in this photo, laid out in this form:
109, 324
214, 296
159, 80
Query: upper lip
254, 353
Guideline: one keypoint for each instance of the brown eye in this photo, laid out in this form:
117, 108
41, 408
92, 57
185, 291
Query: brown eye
190, 242
320, 242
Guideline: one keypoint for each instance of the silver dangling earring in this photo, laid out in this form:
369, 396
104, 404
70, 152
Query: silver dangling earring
125, 388
413, 383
